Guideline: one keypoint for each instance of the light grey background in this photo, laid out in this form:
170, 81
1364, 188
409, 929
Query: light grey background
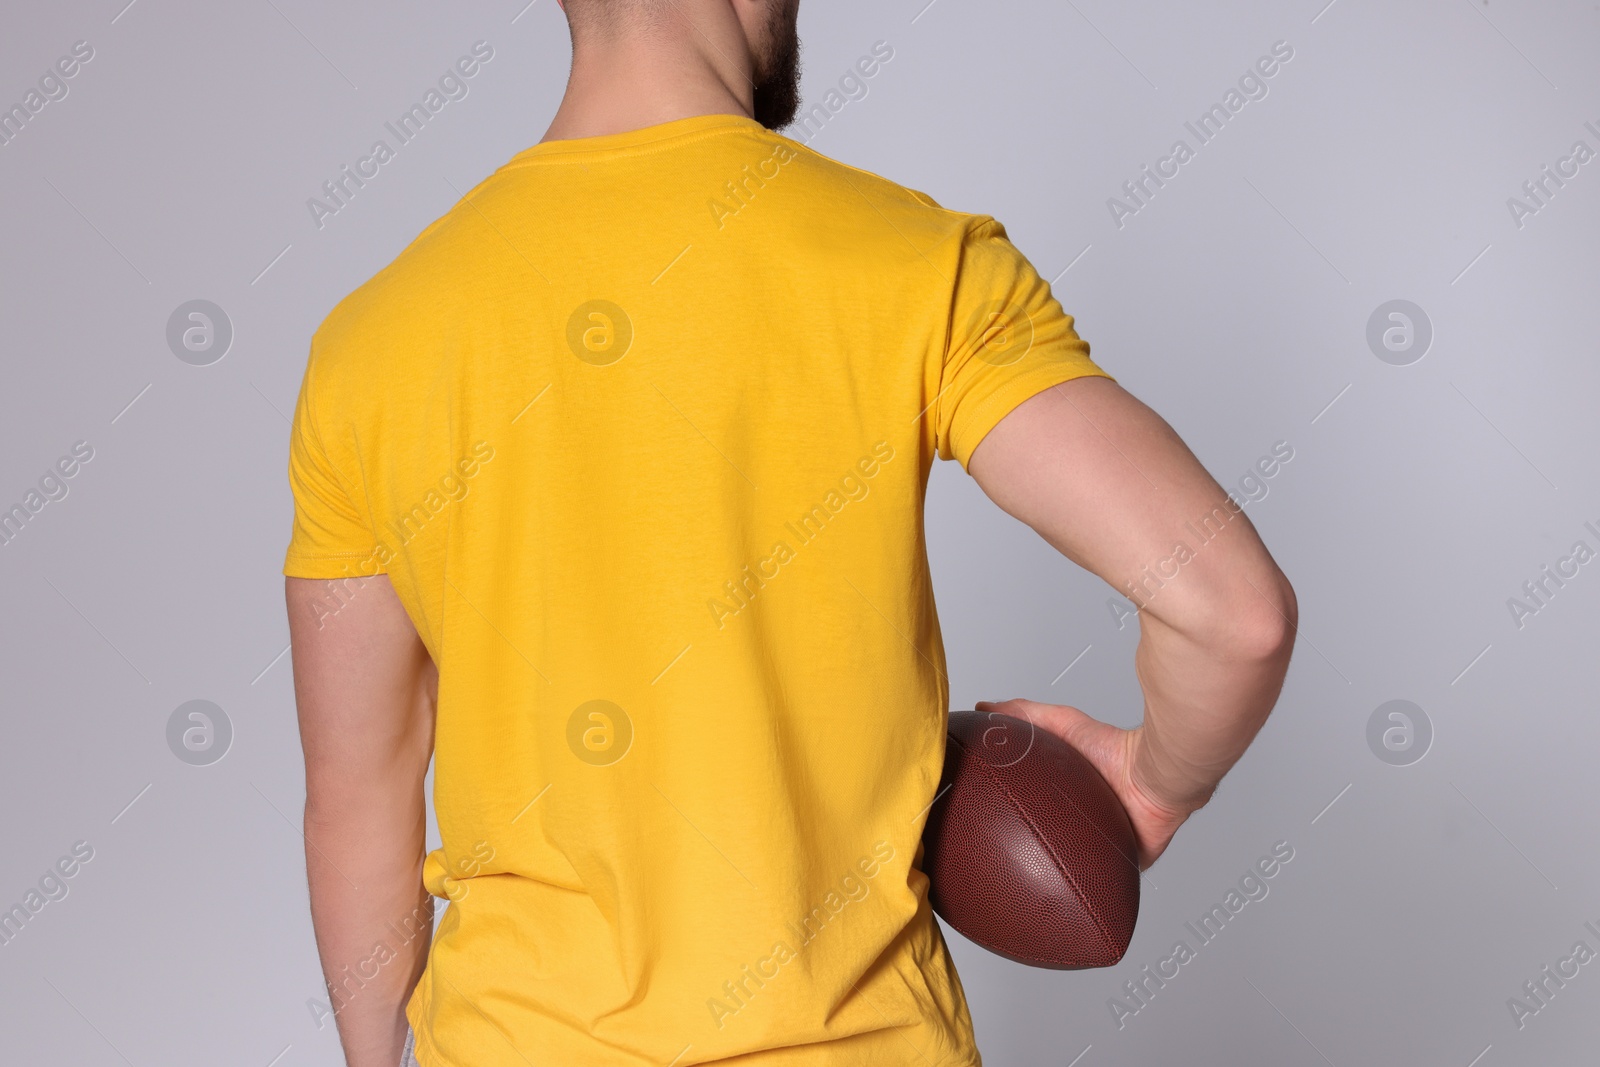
1236, 302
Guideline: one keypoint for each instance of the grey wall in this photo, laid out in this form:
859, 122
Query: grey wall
1422, 493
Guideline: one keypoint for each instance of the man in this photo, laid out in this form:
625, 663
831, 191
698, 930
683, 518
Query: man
617, 475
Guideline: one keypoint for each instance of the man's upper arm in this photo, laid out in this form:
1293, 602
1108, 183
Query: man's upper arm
364, 685
1106, 481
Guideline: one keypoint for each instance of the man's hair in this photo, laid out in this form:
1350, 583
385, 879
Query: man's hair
608, 18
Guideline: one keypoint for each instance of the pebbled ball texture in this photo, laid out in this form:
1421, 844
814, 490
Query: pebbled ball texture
1028, 851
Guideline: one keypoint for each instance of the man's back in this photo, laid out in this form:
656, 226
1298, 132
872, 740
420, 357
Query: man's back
641, 429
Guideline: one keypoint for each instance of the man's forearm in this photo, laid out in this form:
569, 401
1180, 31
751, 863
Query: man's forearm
373, 919
1208, 691
365, 690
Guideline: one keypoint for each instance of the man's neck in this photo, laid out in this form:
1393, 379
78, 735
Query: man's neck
631, 83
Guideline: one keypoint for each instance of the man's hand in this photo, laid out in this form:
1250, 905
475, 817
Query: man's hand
1115, 754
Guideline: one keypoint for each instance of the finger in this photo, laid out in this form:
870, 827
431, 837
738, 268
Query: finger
1069, 724
1060, 719
1022, 708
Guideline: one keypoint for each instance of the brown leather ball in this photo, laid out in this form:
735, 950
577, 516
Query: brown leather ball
1028, 851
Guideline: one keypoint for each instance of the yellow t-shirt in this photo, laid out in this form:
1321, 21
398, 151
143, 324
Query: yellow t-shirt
640, 432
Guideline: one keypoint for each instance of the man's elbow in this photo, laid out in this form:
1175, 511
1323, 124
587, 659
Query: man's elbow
1265, 615
1238, 615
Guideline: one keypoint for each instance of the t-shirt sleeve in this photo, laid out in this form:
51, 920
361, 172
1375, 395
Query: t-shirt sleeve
1009, 340
330, 538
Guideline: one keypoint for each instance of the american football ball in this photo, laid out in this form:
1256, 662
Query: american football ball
1028, 851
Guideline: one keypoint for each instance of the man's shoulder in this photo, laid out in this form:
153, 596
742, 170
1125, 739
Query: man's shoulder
383, 317
869, 200
879, 189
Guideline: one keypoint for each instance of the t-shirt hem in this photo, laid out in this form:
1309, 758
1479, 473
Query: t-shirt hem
426, 1055
417, 1008
1005, 399
333, 566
